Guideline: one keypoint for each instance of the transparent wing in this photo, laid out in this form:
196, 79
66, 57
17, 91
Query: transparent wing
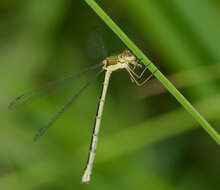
95, 45
46, 89
43, 129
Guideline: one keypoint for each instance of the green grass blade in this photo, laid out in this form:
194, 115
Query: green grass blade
185, 103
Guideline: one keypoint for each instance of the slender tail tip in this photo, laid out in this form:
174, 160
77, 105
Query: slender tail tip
86, 177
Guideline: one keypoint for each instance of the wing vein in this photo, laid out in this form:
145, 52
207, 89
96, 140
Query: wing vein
43, 129
44, 90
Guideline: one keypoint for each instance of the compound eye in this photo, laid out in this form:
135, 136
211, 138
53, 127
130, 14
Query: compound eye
128, 53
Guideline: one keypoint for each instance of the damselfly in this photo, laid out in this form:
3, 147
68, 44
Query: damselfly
125, 60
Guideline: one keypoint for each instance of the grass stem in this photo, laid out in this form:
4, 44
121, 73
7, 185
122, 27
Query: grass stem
130, 44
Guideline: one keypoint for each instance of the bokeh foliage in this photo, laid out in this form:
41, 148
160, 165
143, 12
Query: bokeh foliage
147, 140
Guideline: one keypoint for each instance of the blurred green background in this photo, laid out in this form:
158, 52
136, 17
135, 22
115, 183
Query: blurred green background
147, 140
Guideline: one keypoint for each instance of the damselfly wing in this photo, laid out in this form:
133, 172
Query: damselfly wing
125, 60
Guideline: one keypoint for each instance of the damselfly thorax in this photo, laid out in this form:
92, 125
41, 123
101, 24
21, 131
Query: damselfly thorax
121, 61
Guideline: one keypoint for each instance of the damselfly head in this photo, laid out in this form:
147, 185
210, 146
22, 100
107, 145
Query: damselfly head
127, 56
